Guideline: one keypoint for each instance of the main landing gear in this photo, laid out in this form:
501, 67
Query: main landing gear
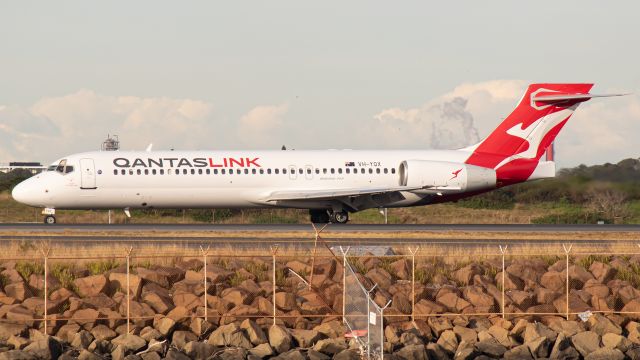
328, 216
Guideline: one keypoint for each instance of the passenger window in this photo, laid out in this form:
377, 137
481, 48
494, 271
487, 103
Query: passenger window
246, 171
123, 172
115, 171
199, 171
361, 170
393, 170
153, 172
184, 171
208, 171
317, 171
308, 171
370, 171
339, 170
347, 170
284, 171
324, 171
168, 171
268, 171
333, 171
300, 171
276, 170
139, 172
161, 171
261, 171
222, 171
253, 171
193, 171
377, 170
386, 171
215, 171
146, 171
130, 171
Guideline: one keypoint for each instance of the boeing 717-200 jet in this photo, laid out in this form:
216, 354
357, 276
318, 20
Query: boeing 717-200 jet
330, 183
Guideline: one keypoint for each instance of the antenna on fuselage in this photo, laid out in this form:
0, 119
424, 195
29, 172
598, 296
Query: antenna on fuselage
111, 144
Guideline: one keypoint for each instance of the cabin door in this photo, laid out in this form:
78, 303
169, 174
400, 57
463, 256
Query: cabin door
88, 174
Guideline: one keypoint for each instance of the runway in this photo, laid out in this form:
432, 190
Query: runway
333, 228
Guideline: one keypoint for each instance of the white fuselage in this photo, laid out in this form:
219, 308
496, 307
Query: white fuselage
211, 179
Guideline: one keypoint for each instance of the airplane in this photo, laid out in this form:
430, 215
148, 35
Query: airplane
329, 183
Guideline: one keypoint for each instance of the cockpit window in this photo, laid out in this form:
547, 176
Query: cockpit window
62, 167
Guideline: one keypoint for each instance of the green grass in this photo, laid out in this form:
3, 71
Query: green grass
588, 260
100, 267
26, 269
64, 274
630, 274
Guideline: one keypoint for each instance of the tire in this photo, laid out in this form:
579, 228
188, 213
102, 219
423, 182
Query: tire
340, 217
319, 216
49, 219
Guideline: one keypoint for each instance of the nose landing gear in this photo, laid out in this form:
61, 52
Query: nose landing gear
49, 216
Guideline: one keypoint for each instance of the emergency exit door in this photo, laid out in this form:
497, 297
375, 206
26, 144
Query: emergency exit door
88, 174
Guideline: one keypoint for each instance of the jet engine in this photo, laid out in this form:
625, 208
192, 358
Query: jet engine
443, 175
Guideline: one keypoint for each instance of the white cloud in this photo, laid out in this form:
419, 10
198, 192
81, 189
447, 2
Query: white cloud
257, 127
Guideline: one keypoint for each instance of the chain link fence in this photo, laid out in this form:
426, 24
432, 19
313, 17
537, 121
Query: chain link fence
57, 292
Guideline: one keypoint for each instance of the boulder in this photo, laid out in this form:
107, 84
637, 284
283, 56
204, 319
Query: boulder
164, 325
154, 276
102, 332
45, 348
285, 301
517, 353
553, 280
331, 329
536, 330
118, 282
586, 342
465, 275
601, 325
510, 282
186, 300
330, 346
465, 334
427, 307
181, 338
500, 334
91, 285
129, 342
477, 297
380, 277
199, 350
615, 341
491, 347
402, 269
262, 351
453, 302
175, 354
539, 347
605, 354
602, 272
82, 340
435, 351
160, 304
229, 335
563, 349
439, 325
18, 342
279, 339
19, 314
306, 338
237, 296
18, 291
448, 341
255, 333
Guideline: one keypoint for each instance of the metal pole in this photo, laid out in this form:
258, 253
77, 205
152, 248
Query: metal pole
128, 293
45, 254
502, 251
567, 251
274, 250
315, 247
204, 255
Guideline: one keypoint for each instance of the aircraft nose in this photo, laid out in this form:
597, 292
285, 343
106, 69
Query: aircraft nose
24, 193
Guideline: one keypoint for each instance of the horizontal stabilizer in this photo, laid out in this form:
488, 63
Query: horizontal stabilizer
566, 97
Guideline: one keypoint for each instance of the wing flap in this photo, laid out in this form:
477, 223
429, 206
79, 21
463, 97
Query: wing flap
333, 193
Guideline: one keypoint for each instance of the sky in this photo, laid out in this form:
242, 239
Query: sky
310, 75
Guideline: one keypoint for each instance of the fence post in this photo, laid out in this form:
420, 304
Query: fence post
315, 247
413, 282
274, 250
128, 291
567, 250
503, 250
45, 254
344, 282
206, 305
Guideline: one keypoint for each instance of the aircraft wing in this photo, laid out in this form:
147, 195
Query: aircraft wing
335, 193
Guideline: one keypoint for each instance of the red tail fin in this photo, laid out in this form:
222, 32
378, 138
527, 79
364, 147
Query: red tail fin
514, 148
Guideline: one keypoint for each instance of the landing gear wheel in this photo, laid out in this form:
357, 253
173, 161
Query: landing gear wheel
319, 216
340, 217
49, 219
